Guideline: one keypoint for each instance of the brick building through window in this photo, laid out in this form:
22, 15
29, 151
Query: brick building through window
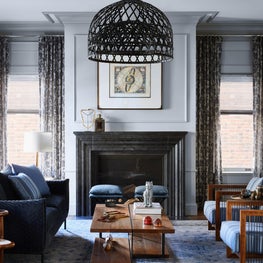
22, 116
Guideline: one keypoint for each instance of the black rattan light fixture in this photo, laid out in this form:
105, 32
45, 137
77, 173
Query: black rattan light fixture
130, 31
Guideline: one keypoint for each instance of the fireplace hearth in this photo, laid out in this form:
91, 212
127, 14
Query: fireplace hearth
131, 158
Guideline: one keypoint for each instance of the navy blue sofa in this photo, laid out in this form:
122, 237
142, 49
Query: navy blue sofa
32, 222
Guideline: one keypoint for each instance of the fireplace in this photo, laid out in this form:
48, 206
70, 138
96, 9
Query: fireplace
131, 158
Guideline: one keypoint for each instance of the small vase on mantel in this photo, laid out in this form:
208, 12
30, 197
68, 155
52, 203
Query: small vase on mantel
99, 124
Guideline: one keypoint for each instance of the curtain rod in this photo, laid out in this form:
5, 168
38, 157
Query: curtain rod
33, 35
44, 35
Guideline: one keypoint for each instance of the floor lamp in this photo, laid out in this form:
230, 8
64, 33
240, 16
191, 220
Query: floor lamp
38, 142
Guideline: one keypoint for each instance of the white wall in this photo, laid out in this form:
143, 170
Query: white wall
178, 113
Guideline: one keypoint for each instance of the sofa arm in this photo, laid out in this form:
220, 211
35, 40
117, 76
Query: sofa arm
59, 186
25, 224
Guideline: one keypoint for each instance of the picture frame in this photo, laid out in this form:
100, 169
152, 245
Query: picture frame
129, 86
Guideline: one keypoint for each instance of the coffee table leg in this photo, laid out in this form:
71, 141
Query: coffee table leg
131, 243
163, 244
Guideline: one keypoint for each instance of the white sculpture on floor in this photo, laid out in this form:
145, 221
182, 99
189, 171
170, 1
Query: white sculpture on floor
108, 243
148, 194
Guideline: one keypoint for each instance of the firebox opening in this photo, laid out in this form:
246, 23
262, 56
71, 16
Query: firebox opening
128, 169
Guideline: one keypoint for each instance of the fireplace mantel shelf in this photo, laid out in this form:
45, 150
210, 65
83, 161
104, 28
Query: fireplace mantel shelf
137, 135
169, 146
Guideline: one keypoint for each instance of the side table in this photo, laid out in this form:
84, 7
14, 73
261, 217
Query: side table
4, 244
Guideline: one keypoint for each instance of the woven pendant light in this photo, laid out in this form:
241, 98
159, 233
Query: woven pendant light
130, 31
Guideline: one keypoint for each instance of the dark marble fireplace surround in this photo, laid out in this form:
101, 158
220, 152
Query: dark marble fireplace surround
127, 158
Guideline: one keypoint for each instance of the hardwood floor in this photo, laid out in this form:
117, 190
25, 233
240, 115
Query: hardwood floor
199, 216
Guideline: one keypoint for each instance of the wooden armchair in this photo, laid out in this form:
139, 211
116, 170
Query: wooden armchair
215, 206
244, 238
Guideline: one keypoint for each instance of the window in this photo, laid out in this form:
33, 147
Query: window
236, 107
22, 116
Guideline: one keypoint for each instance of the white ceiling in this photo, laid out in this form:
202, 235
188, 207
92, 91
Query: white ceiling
32, 10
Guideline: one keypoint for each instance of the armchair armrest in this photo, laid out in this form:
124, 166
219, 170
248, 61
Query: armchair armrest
244, 203
249, 225
246, 215
212, 188
218, 198
218, 195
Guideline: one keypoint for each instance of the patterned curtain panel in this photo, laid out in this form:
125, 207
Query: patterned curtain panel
208, 152
4, 66
51, 74
258, 104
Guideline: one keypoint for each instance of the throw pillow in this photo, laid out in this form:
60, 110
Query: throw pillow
35, 175
7, 170
254, 183
9, 192
24, 186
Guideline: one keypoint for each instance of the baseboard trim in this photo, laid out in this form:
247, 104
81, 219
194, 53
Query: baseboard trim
191, 209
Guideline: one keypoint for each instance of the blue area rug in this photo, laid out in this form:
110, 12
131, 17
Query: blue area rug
191, 243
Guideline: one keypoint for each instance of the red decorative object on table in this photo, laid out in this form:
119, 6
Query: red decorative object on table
148, 220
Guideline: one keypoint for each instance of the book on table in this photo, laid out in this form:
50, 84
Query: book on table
139, 208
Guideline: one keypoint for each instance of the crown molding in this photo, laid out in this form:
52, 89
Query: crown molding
207, 23
69, 17
190, 17
231, 28
86, 17
30, 28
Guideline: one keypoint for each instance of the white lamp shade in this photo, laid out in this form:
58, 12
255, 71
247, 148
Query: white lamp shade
38, 142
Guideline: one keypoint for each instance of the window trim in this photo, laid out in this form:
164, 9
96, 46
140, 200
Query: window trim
236, 112
19, 111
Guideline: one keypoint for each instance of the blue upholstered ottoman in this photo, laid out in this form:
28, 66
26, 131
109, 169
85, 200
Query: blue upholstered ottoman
160, 192
101, 192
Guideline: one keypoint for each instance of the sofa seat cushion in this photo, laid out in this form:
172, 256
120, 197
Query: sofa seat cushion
158, 191
210, 211
57, 201
230, 235
105, 190
25, 187
36, 176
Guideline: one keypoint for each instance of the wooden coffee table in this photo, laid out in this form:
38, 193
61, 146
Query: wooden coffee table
144, 240
148, 240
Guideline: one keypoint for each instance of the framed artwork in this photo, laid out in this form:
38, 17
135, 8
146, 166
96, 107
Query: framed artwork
129, 86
